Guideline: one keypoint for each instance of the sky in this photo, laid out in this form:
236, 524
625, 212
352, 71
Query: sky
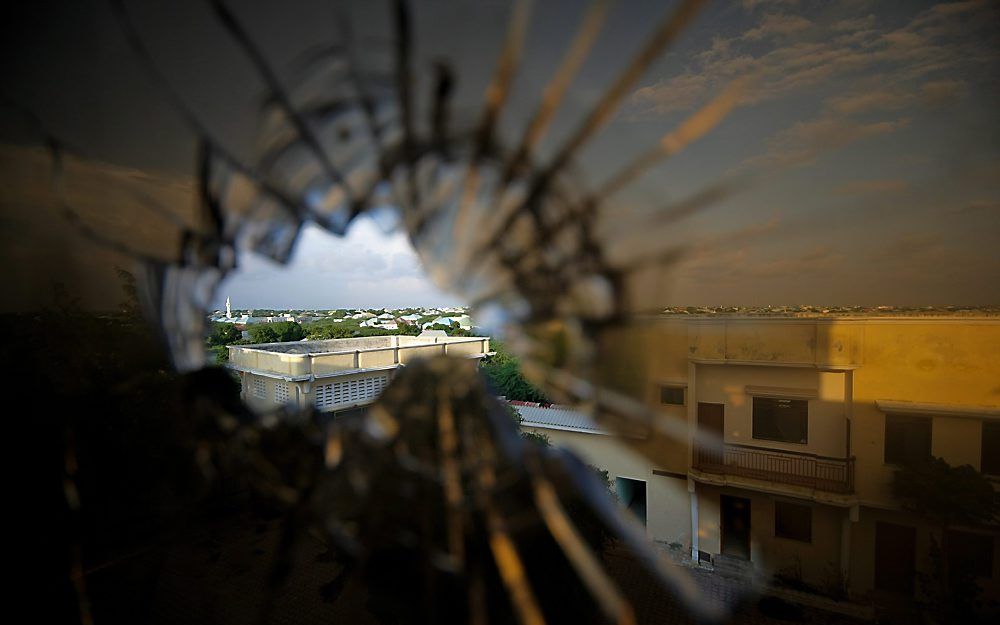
866, 145
367, 268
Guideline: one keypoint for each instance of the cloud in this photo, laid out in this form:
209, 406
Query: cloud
937, 94
863, 187
905, 247
862, 24
742, 266
820, 259
750, 5
869, 101
977, 206
363, 268
938, 40
777, 25
803, 142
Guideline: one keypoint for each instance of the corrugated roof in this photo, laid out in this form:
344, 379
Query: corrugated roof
556, 418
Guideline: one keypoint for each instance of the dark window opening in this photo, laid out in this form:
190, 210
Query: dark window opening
907, 440
970, 553
785, 420
990, 458
793, 521
672, 395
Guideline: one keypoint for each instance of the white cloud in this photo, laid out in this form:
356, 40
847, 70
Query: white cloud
364, 268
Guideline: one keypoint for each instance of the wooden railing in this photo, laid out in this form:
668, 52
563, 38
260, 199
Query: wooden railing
835, 475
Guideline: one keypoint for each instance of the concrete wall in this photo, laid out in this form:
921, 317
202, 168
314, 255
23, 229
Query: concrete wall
955, 363
937, 362
735, 386
818, 561
667, 499
296, 395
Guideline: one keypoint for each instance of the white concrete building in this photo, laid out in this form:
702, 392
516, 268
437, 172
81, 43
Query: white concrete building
335, 375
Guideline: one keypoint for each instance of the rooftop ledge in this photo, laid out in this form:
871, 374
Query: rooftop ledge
351, 345
775, 363
937, 410
304, 360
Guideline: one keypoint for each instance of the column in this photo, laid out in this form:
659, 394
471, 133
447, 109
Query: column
846, 527
693, 490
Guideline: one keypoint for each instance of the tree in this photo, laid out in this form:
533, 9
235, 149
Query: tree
336, 331
439, 326
503, 371
948, 496
224, 334
410, 329
279, 332
507, 380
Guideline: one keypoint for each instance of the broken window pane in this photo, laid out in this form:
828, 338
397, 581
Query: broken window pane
623, 196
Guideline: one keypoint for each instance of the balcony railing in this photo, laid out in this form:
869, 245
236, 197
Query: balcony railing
835, 475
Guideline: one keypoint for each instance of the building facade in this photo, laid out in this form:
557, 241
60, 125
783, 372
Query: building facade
335, 375
791, 430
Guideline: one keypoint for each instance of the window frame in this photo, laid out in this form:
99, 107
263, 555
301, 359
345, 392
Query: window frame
894, 421
282, 393
778, 505
673, 387
259, 387
756, 435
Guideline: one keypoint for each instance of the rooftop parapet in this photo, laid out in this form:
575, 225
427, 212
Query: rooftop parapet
305, 360
821, 343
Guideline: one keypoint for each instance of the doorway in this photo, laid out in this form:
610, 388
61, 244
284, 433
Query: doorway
632, 494
895, 553
735, 513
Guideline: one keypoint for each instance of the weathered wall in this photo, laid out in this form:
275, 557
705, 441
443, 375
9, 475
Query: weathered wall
667, 499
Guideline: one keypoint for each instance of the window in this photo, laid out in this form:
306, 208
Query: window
351, 391
259, 388
785, 420
907, 440
672, 395
990, 462
793, 521
970, 553
281, 392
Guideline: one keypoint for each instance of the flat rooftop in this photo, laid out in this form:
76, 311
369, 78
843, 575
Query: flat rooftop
335, 346
838, 312
302, 360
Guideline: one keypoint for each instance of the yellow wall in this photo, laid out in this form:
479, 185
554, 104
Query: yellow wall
819, 560
827, 435
948, 361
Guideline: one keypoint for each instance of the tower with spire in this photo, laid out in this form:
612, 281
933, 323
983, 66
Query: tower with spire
229, 309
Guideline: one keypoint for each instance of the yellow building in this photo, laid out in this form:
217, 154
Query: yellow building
795, 427
335, 375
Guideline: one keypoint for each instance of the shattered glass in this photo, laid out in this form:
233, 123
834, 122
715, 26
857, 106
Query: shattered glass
430, 503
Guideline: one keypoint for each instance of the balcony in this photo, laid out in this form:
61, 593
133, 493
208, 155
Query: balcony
835, 475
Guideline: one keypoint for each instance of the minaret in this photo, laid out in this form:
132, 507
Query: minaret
229, 309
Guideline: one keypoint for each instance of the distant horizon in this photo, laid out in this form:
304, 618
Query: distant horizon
830, 307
